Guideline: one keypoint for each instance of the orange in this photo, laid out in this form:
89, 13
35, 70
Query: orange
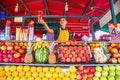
25, 43
16, 43
23, 47
21, 44
8, 43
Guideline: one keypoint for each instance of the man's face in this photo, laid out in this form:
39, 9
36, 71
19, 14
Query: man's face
63, 22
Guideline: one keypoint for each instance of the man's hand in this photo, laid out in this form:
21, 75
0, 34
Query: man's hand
40, 20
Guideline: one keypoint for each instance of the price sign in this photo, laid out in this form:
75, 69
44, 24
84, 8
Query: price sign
114, 29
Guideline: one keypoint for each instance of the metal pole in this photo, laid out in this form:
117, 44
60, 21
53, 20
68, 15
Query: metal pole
91, 25
112, 11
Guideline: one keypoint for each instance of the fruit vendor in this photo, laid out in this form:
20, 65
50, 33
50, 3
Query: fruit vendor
60, 33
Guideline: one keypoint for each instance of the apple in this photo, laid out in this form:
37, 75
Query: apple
5, 51
78, 77
114, 60
9, 47
112, 73
13, 51
6, 59
86, 70
117, 67
105, 73
117, 72
67, 51
82, 51
18, 60
83, 59
12, 60
79, 72
70, 56
116, 55
61, 47
106, 68
111, 78
60, 55
65, 48
3, 47
62, 52
80, 55
0, 54
10, 55
79, 47
103, 78
22, 60
90, 74
65, 55
71, 48
84, 75
117, 77
92, 69
95, 78
118, 60
8, 52
16, 55
112, 68
80, 67
73, 53
90, 78
73, 59
98, 68
63, 59
1, 59
97, 74
77, 51
5, 55
88, 58
67, 59
114, 50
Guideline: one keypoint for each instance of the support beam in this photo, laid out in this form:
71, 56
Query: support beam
87, 8
46, 7
4, 9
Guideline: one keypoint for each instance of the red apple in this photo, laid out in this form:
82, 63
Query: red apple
89, 74
84, 75
85, 48
73, 53
79, 72
1, 59
65, 48
62, 52
65, 55
13, 51
118, 60
0, 51
86, 55
75, 47
78, 59
92, 69
63, 59
79, 47
71, 48
83, 59
1, 54
6, 59
80, 55
18, 60
5, 55
73, 59
12, 60
86, 70
78, 77
22, 60
82, 51
70, 56
88, 58
67, 51
77, 51
2, 43
13, 44
3, 47
10, 55
67, 59
80, 68
90, 78
61, 47
5, 51
60, 55
8, 52
9, 47
22, 55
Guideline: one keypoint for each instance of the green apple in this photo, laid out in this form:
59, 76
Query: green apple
117, 67
111, 78
117, 72
96, 78
97, 74
98, 68
117, 77
104, 73
103, 78
106, 68
112, 73
112, 68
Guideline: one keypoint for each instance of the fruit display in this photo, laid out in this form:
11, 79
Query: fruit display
74, 53
12, 51
36, 73
85, 73
114, 51
107, 73
41, 51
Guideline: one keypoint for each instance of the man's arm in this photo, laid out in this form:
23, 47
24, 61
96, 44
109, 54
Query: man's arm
41, 21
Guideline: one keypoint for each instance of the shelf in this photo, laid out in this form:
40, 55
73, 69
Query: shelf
61, 65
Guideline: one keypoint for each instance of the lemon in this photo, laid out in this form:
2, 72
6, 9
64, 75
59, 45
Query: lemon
45, 69
55, 75
3, 78
30, 78
8, 73
16, 78
26, 68
33, 69
65, 78
19, 68
52, 69
72, 69
58, 69
67, 74
58, 79
28, 74
61, 75
14, 73
9, 78
48, 74
44, 78
73, 75
13, 68
51, 78
22, 73
41, 75
39, 69
37, 78
7, 68
23, 78
1, 68
35, 74
2, 73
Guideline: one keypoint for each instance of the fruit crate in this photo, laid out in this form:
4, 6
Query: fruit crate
71, 53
